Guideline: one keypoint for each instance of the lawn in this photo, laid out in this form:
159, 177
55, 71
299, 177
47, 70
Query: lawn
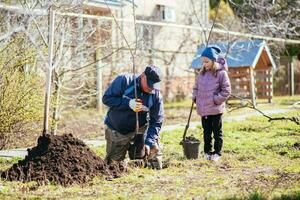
88, 123
261, 160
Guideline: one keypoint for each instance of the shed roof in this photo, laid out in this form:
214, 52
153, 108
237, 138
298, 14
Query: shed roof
238, 54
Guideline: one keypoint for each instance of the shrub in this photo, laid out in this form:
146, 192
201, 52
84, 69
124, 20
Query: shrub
20, 91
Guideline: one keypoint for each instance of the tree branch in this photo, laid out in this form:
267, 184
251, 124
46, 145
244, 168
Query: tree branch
248, 104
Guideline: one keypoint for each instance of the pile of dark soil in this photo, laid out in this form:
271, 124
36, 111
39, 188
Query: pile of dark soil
63, 160
191, 139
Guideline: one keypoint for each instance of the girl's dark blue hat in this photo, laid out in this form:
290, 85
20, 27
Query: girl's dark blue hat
211, 52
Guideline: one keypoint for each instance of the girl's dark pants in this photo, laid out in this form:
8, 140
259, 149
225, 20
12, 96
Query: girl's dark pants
212, 124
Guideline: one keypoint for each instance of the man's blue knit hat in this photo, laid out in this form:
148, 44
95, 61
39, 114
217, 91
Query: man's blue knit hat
211, 52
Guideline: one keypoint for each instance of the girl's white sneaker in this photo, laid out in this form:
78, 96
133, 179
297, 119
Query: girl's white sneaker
215, 157
207, 156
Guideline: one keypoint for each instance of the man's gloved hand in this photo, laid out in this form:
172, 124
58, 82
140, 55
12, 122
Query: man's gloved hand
150, 153
145, 108
136, 105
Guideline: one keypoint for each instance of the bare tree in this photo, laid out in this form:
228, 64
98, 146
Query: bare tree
277, 18
75, 43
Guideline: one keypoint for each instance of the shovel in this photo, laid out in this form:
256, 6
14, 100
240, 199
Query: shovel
188, 122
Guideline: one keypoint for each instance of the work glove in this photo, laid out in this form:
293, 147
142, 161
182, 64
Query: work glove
150, 152
145, 108
136, 105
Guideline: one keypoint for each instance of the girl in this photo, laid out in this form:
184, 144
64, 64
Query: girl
211, 90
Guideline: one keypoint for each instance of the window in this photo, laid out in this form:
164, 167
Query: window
166, 13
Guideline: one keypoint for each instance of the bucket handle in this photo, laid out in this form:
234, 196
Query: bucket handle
188, 122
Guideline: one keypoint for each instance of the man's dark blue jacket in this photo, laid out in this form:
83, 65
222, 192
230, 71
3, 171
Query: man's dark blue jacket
122, 118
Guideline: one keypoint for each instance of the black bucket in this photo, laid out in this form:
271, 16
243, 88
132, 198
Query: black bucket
136, 149
191, 148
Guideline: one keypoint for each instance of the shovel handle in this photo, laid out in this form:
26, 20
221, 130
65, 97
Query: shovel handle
188, 122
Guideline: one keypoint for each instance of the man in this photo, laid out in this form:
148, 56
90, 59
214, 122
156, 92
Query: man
121, 116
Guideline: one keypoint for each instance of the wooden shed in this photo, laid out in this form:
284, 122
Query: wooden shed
250, 66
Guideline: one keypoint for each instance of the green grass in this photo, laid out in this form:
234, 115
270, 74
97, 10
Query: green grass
261, 160
178, 112
287, 100
278, 100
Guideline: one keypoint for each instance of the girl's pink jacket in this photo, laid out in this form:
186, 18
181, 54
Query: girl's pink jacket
211, 91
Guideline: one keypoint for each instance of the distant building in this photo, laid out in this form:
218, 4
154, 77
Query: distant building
168, 47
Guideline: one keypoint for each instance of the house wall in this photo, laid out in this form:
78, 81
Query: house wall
162, 40
171, 49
